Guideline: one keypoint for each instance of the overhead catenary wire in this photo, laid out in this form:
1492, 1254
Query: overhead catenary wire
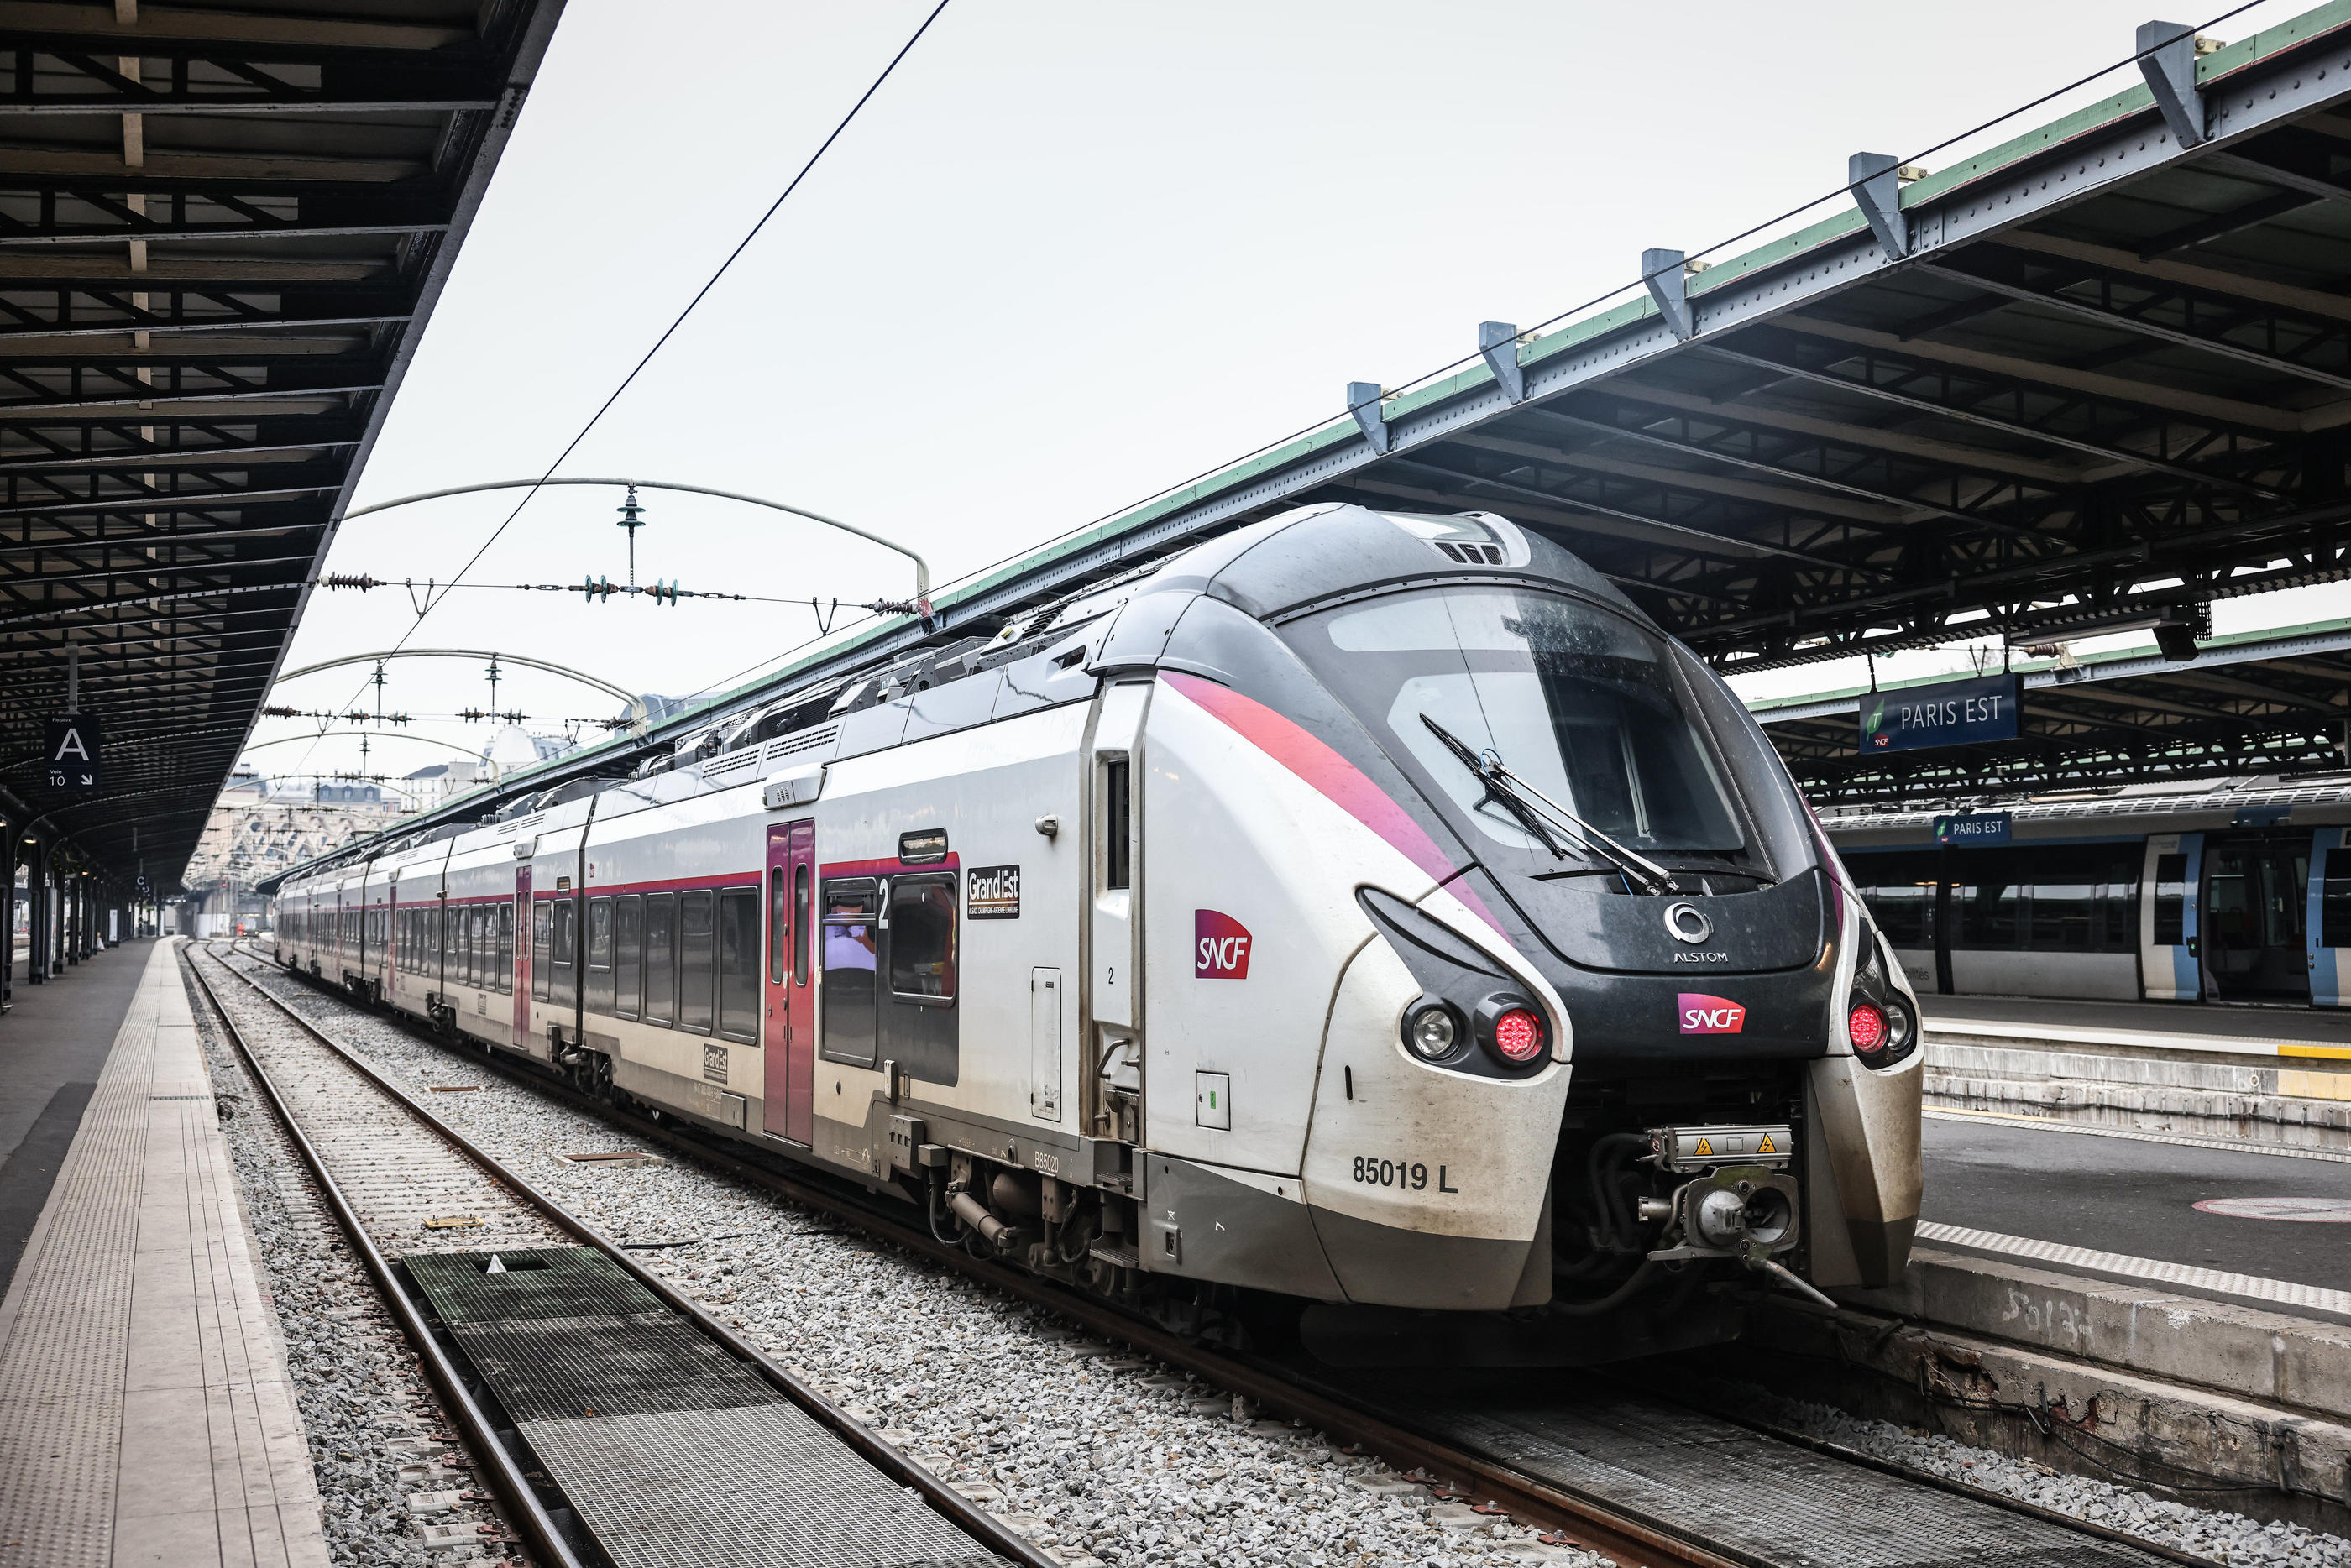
671, 330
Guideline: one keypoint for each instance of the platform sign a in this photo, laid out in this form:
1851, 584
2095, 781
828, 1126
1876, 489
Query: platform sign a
1949, 713
71, 752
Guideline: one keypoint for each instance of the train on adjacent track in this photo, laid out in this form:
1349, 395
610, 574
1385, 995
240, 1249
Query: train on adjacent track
1361, 925
2237, 891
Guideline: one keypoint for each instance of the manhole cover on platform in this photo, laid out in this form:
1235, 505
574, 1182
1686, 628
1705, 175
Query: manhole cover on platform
2308, 1211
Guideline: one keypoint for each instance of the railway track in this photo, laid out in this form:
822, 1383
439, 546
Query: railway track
1650, 1483
416, 1199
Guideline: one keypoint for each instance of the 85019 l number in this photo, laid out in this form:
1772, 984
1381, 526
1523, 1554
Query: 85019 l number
1372, 1171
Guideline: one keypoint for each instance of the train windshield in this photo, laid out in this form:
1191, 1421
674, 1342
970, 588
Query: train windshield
1583, 705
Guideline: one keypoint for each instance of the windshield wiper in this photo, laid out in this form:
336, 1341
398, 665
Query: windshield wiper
1528, 804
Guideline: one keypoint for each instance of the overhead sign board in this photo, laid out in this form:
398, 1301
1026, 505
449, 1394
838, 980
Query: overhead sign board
72, 742
1948, 713
1976, 827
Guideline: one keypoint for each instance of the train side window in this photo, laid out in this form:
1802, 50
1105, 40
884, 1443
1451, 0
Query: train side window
542, 948
696, 960
599, 955
1118, 871
661, 958
800, 925
779, 925
629, 955
506, 947
847, 1015
567, 953
2170, 901
738, 964
923, 939
480, 944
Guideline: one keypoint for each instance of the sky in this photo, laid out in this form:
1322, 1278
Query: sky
1071, 254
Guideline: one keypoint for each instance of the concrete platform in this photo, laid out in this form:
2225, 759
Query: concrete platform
146, 1415
52, 1047
2269, 1074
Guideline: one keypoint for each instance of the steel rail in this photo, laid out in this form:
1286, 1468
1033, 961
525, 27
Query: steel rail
1635, 1538
515, 1495
964, 1513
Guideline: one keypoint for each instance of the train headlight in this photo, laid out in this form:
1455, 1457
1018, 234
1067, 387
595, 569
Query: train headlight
1431, 1031
1865, 1024
1899, 1027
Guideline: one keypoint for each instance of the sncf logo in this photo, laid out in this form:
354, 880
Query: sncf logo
1220, 947
1709, 1014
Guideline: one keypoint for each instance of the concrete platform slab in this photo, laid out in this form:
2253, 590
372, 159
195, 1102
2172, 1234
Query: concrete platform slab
52, 1047
146, 1415
2138, 1198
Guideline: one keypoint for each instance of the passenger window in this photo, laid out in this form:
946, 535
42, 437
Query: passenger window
738, 964
848, 961
922, 938
779, 925
567, 968
628, 947
599, 955
800, 925
542, 948
696, 960
661, 958
506, 947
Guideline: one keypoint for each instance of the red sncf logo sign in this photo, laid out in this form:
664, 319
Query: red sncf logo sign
1702, 1014
1220, 947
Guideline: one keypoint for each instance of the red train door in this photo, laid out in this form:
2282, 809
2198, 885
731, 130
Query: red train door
790, 1035
522, 957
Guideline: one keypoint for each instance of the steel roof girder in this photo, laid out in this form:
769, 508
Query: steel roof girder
1955, 269
1869, 387
1665, 275
1365, 402
1876, 190
1498, 345
2166, 59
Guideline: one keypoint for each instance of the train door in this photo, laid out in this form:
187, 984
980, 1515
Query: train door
2168, 964
521, 954
1114, 959
788, 1041
2328, 916
2255, 918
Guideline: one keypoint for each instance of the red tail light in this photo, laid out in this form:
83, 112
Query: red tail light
1866, 1024
1518, 1035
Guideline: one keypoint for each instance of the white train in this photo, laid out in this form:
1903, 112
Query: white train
1375, 911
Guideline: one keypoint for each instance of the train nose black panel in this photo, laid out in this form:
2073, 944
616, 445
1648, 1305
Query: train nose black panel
1777, 927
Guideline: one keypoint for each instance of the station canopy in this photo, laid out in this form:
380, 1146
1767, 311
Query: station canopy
221, 233
2088, 380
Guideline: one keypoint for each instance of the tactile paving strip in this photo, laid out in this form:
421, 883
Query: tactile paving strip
672, 1452
1792, 1507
